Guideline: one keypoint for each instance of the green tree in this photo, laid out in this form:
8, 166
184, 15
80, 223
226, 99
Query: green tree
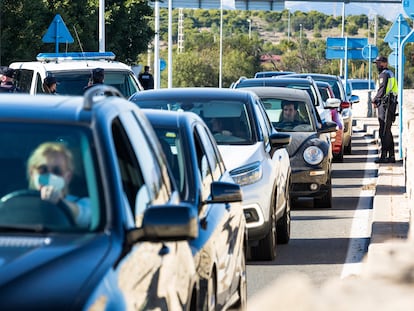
126, 23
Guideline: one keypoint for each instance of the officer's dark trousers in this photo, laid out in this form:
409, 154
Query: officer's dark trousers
387, 140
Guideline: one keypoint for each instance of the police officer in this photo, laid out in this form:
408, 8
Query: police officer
387, 86
146, 79
50, 85
7, 81
97, 77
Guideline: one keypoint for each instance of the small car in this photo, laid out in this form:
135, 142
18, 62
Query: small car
253, 151
96, 156
345, 105
337, 138
291, 110
302, 83
206, 184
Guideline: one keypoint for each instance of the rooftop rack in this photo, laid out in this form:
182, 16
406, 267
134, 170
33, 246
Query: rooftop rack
47, 57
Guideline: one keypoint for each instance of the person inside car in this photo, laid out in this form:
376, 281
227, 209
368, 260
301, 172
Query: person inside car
290, 116
50, 168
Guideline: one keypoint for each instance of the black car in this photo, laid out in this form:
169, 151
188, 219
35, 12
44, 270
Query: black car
345, 106
97, 157
205, 183
310, 151
252, 150
307, 84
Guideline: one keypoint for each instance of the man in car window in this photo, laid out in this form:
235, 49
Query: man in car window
50, 168
289, 117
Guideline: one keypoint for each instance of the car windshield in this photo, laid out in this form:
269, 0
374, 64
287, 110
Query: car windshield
289, 115
45, 169
228, 120
74, 82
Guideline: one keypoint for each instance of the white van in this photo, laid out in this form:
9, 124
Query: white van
72, 71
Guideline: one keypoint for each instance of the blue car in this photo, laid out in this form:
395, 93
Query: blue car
205, 184
90, 216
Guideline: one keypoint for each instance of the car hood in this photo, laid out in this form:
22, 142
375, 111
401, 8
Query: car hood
48, 271
235, 156
298, 139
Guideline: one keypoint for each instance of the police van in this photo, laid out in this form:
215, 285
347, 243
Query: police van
72, 71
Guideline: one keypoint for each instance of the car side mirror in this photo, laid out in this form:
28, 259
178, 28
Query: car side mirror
332, 103
354, 99
328, 127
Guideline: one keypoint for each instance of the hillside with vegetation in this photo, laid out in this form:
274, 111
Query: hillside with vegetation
259, 40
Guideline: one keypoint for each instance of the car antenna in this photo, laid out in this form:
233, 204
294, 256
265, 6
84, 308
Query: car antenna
79, 42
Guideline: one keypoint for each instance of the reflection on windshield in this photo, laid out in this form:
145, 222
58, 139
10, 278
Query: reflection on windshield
228, 120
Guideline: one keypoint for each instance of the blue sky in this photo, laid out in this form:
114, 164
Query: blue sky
387, 10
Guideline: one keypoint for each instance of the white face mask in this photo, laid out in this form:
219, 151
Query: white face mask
57, 182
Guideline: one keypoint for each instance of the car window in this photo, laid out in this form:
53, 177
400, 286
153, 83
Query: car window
228, 120
25, 150
204, 167
301, 120
211, 152
24, 80
74, 82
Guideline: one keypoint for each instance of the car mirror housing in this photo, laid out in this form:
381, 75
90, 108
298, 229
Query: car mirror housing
354, 99
166, 223
328, 127
332, 103
279, 140
224, 192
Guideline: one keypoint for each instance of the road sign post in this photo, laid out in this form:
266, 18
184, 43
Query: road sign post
57, 33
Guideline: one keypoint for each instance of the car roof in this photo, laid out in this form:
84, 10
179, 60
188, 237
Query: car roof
279, 80
283, 92
194, 92
316, 76
67, 65
49, 108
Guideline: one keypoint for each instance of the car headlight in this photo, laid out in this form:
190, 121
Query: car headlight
313, 155
248, 174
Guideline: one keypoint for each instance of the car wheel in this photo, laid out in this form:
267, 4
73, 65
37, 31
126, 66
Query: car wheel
283, 225
340, 156
266, 250
326, 200
348, 148
241, 304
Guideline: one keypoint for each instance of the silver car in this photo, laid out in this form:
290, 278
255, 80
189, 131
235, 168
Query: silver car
253, 151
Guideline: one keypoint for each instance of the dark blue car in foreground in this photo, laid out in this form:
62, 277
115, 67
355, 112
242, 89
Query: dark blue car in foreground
131, 250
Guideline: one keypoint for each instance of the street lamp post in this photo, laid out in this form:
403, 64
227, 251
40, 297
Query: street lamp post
250, 27
300, 34
288, 25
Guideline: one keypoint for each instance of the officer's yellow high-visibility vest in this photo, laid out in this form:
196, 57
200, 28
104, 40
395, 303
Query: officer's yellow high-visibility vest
392, 86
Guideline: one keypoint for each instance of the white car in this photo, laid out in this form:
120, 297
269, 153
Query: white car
73, 71
253, 151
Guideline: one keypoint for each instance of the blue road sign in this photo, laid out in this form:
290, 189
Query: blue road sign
408, 6
370, 52
57, 33
163, 64
399, 29
335, 48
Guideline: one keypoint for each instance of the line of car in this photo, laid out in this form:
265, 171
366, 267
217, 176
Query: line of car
180, 199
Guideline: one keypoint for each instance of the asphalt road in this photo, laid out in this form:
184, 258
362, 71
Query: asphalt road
328, 243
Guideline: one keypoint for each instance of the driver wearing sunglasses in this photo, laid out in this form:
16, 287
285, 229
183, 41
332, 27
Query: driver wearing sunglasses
50, 169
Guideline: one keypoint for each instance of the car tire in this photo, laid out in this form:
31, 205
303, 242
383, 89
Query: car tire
283, 224
326, 200
340, 156
348, 148
266, 250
